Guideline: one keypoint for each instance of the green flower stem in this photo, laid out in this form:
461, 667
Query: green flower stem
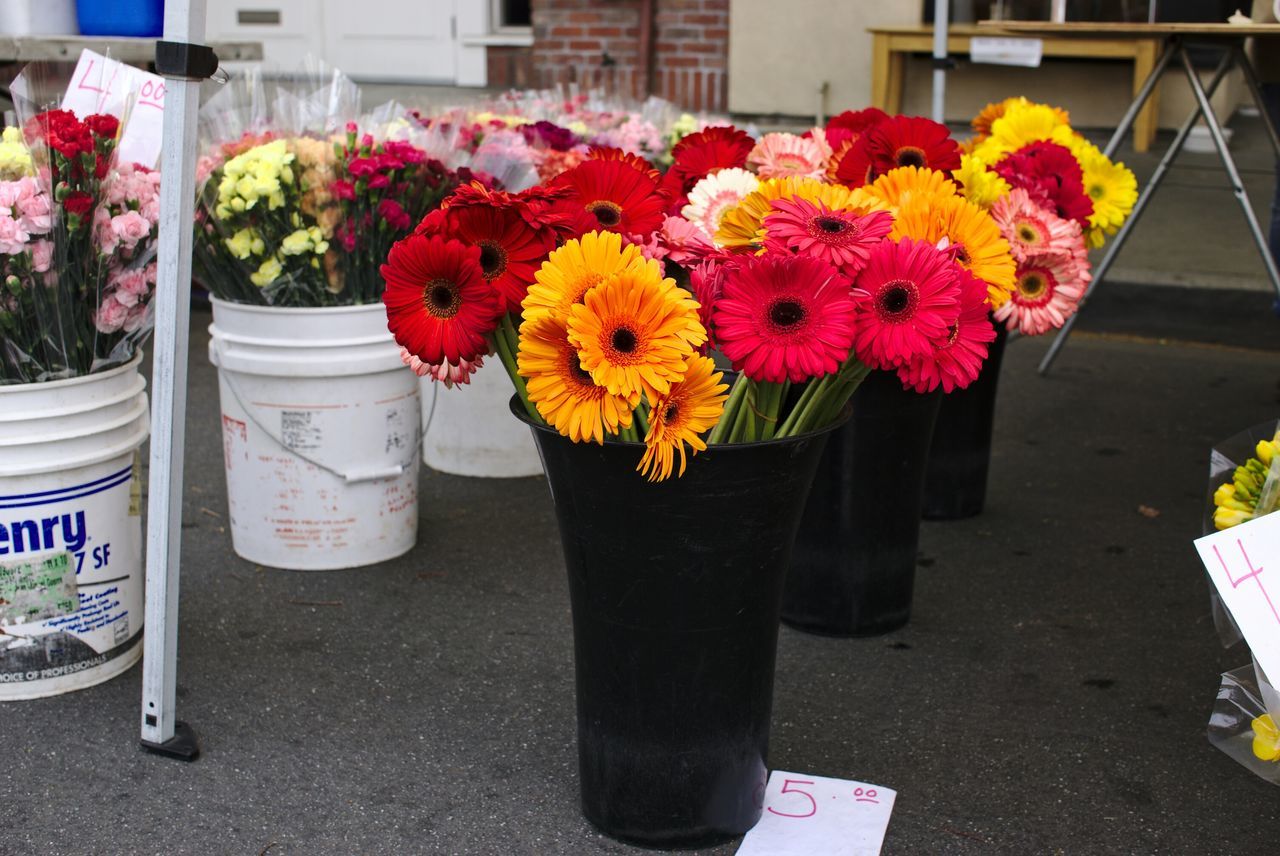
751, 412
503, 346
797, 415
740, 419
777, 394
642, 419
721, 430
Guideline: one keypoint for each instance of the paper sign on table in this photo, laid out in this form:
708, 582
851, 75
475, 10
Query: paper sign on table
1244, 564
1006, 51
815, 816
103, 85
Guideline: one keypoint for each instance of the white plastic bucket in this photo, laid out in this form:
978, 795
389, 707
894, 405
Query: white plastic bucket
71, 575
320, 428
470, 430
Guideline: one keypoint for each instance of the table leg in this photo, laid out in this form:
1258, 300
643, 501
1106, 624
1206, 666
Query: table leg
1229, 164
1118, 242
1144, 93
880, 71
897, 76
1144, 62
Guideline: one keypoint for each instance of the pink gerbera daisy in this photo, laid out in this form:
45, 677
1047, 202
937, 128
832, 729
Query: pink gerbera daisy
958, 357
1047, 293
784, 317
715, 194
677, 241
842, 238
913, 299
447, 373
785, 155
1031, 229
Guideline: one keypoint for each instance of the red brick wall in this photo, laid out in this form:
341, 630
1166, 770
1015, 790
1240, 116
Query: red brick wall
597, 43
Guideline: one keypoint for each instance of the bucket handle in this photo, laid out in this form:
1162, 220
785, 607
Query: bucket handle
355, 475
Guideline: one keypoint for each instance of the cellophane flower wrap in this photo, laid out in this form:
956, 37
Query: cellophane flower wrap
265, 212
78, 236
1054, 194
1244, 484
617, 296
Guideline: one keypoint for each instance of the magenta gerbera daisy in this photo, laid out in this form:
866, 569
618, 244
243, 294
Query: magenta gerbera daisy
842, 238
784, 317
958, 357
912, 300
1047, 293
1032, 229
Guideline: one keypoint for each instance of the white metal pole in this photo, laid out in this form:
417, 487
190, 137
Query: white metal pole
941, 20
184, 21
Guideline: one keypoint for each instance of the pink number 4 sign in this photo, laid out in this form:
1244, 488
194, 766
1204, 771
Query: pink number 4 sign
815, 816
1244, 564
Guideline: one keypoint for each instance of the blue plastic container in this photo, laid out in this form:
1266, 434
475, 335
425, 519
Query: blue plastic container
143, 18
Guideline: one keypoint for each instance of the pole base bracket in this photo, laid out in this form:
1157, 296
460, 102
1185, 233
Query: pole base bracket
183, 745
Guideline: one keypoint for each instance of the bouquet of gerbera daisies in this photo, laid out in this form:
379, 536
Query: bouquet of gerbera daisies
77, 247
605, 304
1054, 195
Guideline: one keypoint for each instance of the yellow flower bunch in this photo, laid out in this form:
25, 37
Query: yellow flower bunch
15, 159
978, 183
1248, 494
262, 172
607, 345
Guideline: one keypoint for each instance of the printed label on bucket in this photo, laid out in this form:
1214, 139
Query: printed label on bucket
74, 553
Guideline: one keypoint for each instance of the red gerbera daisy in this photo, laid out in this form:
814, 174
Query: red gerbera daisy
612, 196
700, 154
894, 142
706, 281
958, 357
606, 153
912, 301
783, 317
851, 124
841, 238
1051, 175
511, 249
439, 306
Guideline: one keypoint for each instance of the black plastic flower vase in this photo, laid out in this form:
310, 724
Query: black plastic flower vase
955, 484
675, 589
853, 567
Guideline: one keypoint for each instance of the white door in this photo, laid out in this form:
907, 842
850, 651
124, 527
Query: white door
409, 40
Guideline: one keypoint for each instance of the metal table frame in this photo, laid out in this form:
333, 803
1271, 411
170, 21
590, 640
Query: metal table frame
1176, 48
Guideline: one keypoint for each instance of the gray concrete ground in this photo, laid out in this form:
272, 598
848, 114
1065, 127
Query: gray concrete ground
1050, 694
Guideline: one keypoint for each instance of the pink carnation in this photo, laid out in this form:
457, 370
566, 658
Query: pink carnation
41, 255
130, 228
13, 239
35, 208
111, 315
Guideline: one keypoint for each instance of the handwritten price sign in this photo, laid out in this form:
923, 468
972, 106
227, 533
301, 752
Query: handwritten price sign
102, 85
1244, 564
815, 816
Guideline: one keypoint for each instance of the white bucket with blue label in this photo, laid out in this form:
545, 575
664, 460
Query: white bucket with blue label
71, 573
321, 428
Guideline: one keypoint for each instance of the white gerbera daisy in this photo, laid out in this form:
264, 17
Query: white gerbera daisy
711, 197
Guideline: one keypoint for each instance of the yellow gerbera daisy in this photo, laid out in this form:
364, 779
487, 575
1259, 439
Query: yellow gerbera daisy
980, 185
635, 331
693, 406
979, 246
1020, 125
988, 115
742, 227
562, 389
571, 271
1114, 191
900, 186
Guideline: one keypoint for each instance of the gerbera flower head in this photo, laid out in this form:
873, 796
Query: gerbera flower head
702, 153
511, 248
677, 241
979, 184
439, 306
988, 115
846, 127
972, 238
783, 317
577, 267
450, 374
913, 299
1113, 190
841, 238
1048, 292
897, 187
898, 141
635, 331
782, 155
612, 196
679, 418
715, 194
1032, 229
562, 390
957, 358
633, 160
707, 281
742, 227
1052, 176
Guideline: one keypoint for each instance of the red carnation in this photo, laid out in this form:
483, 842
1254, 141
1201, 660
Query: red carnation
395, 215
77, 202
103, 125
